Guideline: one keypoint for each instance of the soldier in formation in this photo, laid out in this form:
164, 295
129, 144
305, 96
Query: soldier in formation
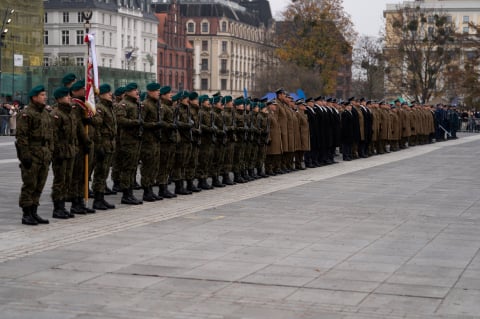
191, 139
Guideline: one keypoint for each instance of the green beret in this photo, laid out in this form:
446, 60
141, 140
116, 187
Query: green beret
143, 95
215, 99
68, 78
104, 88
203, 98
165, 89
239, 101
36, 90
78, 85
153, 86
131, 86
193, 95
119, 91
175, 97
226, 99
183, 94
261, 105
61, 92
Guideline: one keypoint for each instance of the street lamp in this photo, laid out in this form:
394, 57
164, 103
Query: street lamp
5, 22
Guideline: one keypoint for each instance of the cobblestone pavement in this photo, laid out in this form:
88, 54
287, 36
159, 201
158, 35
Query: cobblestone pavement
391, 236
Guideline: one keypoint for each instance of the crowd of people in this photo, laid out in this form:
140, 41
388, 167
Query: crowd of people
198, 142
8, 118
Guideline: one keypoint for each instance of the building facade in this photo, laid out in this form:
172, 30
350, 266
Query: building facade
125, 33
228, 39
175, 53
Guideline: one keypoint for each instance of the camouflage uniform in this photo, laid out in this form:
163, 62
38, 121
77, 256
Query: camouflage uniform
206, 119
218, 153
184, 148
231, 140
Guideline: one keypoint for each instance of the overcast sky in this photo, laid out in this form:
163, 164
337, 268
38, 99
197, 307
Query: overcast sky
367, 15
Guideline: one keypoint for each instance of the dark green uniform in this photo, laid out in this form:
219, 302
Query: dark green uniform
192, 165
65, 150
184, 147
130, 138
239, 154
231, 140
218, 153
206, 118
34, 147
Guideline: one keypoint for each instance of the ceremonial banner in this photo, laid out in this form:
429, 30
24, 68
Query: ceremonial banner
91, 82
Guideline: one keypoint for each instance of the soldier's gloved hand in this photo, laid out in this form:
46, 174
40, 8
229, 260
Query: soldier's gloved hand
87, 120
27, 162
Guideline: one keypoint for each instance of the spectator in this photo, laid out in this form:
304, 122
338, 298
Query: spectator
4, 116
13, 119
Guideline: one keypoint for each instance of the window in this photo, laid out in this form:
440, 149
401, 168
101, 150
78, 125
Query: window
110, 63
224, 46
128, 41
170, 60
224, 26
223, 84
79, 61
223, 66
150, 45
64, 60
465, 29
449, 19
80, 17
190, 27
134, 42
123, 41
160, 59
204, 45
45, 17
176, 60
46, 61
466, 19
144, 44
204, 85
204, 27
182, 61
103, 18
430, 30
65, 37
110, 40
103, 61
66, 17
430, 19
80, 37
103, 37
204, 65
45, 37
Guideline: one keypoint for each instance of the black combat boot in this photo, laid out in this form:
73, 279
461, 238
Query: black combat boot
203, 184
157, 197
39, 219
128, 198
237, 178
66, 211
227, 180
252, 174
107, 204
58, 211
136, 186
191, 186
148, 195
98, 202
216, 182
116, 188
76, 208
81, 203
245, 176
27, 218
260, 173
179, 189
163, 191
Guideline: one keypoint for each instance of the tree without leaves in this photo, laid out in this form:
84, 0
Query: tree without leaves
419, 46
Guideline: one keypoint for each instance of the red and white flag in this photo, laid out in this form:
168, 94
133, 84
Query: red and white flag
91, 76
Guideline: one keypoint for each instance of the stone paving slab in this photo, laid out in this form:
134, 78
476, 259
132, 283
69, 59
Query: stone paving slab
393, 236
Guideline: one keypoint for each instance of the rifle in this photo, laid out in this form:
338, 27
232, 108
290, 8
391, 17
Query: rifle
140, 119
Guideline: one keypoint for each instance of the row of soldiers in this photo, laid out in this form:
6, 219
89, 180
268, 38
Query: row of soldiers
187, 137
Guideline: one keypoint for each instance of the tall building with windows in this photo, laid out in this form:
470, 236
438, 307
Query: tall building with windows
228, 38
21, 45
125, 33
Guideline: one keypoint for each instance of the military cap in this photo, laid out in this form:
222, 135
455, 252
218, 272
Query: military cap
261, 105
61, 92
36, 90
217, 94
143, 96
183, 94
310, 99
319, 98
369, 102
381, 102
68, 78
215, 99
299, 101
281, 90
329, 99
203, 98
104, 88
175, 97
154, 86
77, 86
264, 100
131, 86
119, 91
238, 101
193, 95
404, 103
396, 101
272, 101
362, 99
226, 99
165, 89
350, 99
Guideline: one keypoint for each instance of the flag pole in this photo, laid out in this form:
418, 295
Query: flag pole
86, 15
